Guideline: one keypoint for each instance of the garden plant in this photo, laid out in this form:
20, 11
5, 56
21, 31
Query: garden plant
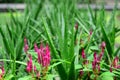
54, 40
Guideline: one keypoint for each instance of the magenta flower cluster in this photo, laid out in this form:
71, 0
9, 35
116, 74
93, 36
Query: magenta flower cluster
29, 64
83, 54
97, 58
115, 64
43, 55
2, 73
30, 67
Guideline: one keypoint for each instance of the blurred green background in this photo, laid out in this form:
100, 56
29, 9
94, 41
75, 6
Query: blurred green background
12, 1
5, 16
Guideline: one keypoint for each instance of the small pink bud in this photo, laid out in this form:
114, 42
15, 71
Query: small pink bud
2, 74
35, 68
100, 56
111, 68
81, 73
35, 47
118, 67
25, 45
29, 64
98, 68
90, 32
28, 69
86, 62
26, 48
103, 45
115, 62
39, 53
38, 74
3, 71
95, 56
25, 40
93, 65
83, 54
76, 26
41, 46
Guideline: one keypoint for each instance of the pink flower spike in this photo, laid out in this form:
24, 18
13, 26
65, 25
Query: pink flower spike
76, 26
118, 67
26, 48
102, 50
98, 68
47, 56
3, 71
100, 56
83, 54
25, 45
110, 68
38, 74
48, 52
25, 41
28, 69
95, 57
39, 53
93, 65
81, 73
90, 32
2, 74
44, 55
35, 68
29, 64
115, 62
103, 45
41, 46
35, 47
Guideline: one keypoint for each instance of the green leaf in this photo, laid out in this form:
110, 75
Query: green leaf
9, 77
94, 48
92, 76
116, 52
78, 66
61, 69
26, 78
49, 39
92, 18
107, 41
50, 77
19, 62
54, 65
107, 76
82, 24
71, 74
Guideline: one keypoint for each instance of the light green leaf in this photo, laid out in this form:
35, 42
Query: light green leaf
26, 78
9, 77
107, 76
78, 66
50, 77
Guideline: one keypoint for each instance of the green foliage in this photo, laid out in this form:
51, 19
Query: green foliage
9, 77
49, 22
71, 75
26, 78
106, 75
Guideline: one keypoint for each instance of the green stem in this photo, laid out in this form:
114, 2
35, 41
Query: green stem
109, 60
13, 61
